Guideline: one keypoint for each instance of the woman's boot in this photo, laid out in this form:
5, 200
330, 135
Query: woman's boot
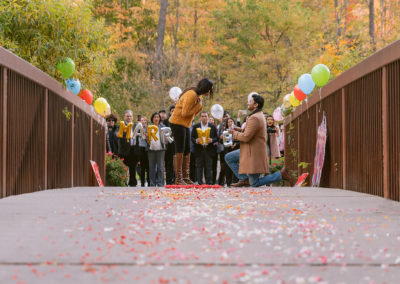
186, 169
178, 160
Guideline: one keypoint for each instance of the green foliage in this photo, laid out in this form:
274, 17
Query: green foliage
303, 165
125, 87
42, 32
67, 113
116, 171
264, 45
277, 164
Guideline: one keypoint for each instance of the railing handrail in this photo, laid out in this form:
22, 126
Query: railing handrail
375, 61
24, 68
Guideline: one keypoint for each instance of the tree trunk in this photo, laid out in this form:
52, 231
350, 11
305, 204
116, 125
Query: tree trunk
176, 28
383, 14
371, 25
160, 45
337, 33
195, 22
344, 17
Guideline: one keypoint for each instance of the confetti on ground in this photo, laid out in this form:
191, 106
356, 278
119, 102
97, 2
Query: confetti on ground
199, 235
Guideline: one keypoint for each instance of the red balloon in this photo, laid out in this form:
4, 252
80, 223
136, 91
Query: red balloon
87, 96
298, 93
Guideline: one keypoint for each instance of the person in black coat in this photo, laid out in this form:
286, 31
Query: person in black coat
169, 154
204, 147
112, 131
128, 150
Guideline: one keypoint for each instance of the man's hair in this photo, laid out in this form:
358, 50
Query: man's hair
226, 112
163, 110
259, 101
203, 112
112, 117
128, 110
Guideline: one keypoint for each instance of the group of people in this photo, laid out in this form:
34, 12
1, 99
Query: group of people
244, 148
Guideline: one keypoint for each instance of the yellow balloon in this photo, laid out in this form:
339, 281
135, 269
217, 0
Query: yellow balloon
286, 102
100, 105
295, 102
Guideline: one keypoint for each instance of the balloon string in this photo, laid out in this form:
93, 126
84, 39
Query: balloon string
320, 100
308, 115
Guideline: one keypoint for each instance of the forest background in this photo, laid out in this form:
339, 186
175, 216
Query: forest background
133, 51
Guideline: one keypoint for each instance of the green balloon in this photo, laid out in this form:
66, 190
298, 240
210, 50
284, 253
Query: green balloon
320, 75
66, 67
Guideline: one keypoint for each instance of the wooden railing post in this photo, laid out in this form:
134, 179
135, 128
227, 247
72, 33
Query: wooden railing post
72, 145
91, 175
4, 136
385, 131
46, 132
344, 144
298, 146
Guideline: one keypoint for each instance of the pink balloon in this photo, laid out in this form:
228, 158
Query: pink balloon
277, 114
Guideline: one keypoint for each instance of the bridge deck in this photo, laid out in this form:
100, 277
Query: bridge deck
278, 235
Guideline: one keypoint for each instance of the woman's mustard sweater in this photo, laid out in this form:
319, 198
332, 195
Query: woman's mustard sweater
186, 109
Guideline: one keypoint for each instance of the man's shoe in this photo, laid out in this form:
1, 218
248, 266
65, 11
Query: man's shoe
241, 183
288, 177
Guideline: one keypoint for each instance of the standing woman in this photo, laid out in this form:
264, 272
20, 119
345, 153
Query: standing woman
188, 105
156, 152
143, 157
273, 134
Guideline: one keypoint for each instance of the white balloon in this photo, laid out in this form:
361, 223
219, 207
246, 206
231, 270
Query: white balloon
217, 111
286, 101
174, 93
251, 95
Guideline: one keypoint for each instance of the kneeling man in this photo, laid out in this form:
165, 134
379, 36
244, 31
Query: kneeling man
251, 160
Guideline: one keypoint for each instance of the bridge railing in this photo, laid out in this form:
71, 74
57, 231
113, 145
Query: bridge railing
362, 108
48, 135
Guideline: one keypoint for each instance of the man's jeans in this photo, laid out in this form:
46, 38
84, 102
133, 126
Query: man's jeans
232, 159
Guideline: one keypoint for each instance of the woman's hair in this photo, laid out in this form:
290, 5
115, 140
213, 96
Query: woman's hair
112, 117
227, 120
153, 115
203, 87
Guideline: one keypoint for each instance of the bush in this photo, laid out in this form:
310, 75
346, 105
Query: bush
42, 32
116, 171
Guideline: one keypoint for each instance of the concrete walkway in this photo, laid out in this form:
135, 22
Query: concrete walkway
134, 235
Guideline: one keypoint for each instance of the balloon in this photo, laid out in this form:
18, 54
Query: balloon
66, 67
251, 95
166, 135
108, 110
174, 93
217, 111
286, 102
298, 93
87, 96
306, 84
73, 85
152, 133
285, 111
100, 105
277, 114
320, 74
293, 101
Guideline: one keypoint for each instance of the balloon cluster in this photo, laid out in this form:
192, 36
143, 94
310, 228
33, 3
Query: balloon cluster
305, 85
66, 68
